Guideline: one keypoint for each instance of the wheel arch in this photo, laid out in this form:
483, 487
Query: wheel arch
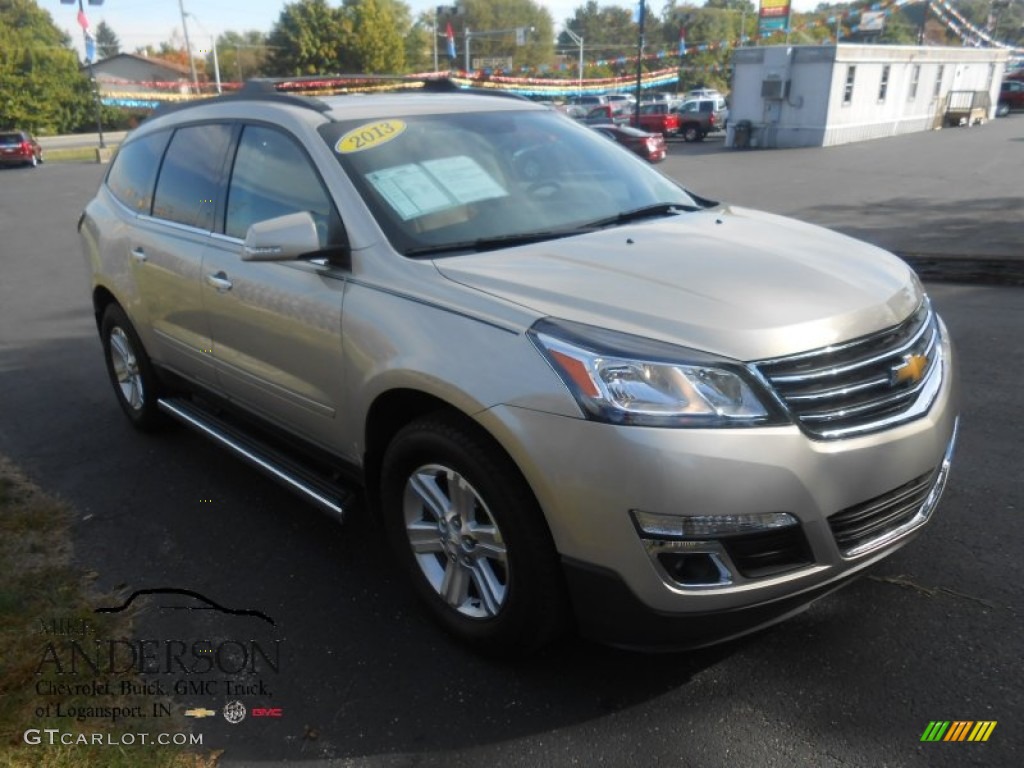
101, 299
389, 412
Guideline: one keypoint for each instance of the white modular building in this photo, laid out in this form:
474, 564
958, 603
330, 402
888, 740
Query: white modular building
820, 95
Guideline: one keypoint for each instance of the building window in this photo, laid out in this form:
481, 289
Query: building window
915, 77
851, 72
883, 85
938, 81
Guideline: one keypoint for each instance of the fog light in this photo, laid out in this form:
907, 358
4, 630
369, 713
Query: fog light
699, 569
661, 526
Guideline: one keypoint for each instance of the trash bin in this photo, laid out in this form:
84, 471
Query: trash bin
741, 134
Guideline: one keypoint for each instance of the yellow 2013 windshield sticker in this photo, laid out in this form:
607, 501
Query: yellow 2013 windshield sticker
369, 136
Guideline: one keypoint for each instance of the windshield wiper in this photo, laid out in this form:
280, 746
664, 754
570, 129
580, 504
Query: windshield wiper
491, 243
647, 212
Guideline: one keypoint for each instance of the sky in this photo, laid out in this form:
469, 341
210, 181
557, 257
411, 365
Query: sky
148, 22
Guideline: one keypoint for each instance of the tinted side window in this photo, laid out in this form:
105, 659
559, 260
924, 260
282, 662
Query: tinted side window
134, 169
273, 177
187, 189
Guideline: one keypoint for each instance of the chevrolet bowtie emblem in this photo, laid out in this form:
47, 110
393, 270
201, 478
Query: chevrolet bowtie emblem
199, 713
910, 370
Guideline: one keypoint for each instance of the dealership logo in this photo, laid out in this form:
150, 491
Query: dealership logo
199, 712
234, 712
958, 730
267, 712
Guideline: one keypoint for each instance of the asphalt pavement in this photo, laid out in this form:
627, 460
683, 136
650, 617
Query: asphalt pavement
951, 201
363, 679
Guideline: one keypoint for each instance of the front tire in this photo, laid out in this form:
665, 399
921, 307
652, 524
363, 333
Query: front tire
468, 531
691, 133
131, 372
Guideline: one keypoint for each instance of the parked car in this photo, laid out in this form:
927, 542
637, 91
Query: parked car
571, 391
618, 114
575, 111
19, 148
656, 117
1011, 97
588, 100
650, 146
703, 93
699, 117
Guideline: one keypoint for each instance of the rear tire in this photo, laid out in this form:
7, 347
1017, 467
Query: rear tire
136, 385
468, 531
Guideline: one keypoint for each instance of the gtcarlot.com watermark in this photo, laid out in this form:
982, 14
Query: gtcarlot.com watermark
55, 736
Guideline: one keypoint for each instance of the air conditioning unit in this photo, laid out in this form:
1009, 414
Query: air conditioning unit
774, 89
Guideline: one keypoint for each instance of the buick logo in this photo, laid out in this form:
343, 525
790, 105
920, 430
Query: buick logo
234, 712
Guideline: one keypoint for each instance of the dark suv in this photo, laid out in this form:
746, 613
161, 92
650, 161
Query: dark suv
19, 148
1011, 96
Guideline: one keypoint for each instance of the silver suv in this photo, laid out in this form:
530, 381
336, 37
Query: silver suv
574, 393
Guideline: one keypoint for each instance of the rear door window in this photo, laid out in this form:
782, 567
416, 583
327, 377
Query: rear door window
134, 169
188, 189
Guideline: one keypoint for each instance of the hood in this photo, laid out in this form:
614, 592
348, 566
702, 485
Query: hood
732, 281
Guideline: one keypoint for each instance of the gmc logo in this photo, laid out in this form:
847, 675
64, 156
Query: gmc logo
267, 712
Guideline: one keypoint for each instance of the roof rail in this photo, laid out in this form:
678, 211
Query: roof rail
253, 90
296, 90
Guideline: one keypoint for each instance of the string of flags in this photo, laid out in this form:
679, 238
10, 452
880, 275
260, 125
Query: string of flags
520, 80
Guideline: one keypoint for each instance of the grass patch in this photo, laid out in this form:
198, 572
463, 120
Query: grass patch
73, 154
38, 587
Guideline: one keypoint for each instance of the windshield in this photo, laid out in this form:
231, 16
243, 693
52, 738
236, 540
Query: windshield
487, 178
10, 139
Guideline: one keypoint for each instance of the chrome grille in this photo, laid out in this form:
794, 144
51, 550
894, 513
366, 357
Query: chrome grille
863, 385
857, 528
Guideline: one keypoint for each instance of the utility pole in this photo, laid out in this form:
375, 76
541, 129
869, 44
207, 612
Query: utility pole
639, 62
92, 76
188, 46
579, 41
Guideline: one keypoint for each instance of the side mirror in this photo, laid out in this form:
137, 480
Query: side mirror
281, 239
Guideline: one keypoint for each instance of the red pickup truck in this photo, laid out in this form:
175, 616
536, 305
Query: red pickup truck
656, 118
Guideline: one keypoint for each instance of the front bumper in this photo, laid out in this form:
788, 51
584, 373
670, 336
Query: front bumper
591, 477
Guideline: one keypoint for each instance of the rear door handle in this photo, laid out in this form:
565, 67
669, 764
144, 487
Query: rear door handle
220, 281
139, 254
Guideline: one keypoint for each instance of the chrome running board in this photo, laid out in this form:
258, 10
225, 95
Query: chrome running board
321, 491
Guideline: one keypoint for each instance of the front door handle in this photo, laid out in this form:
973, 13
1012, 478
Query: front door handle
138, 254
220, 281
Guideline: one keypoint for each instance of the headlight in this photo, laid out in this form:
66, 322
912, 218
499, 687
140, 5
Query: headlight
625, 379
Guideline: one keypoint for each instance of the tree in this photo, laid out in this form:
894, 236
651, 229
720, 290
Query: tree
107, 44
419, 44
42, 88
310, 37
240, 55
377, 44
486, 16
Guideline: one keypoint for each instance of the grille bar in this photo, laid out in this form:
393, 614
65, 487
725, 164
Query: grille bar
865, 384
855, 528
